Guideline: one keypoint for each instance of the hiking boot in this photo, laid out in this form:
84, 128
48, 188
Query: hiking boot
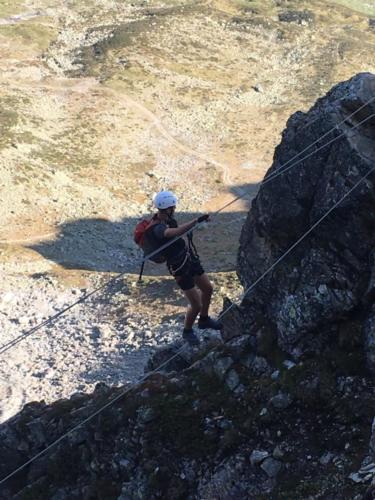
190, 337
208, 322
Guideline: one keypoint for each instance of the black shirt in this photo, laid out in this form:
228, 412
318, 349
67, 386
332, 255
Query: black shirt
177, 249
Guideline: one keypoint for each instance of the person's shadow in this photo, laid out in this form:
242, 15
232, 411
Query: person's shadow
102, 245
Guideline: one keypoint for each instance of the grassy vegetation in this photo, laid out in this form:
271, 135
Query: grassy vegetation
101, 60
30, 33
269, 7
364, 6
10, 7
72, 154
72, 149
8, 120
266, 7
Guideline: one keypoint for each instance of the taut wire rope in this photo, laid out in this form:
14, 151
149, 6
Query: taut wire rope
281, 168
245, 293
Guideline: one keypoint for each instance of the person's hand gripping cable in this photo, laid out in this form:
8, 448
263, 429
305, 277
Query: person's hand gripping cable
203, 218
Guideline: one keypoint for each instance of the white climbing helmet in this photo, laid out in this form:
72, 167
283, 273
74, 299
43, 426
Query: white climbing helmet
164, 199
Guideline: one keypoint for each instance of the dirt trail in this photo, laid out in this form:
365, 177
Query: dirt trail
91, 85
18, 18
175, 142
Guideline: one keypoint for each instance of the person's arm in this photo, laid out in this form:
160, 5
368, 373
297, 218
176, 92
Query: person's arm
173, 232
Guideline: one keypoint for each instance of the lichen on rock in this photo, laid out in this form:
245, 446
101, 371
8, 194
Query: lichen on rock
327, 279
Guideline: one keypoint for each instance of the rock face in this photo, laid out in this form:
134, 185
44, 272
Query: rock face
325, 287
189, 434
237, 418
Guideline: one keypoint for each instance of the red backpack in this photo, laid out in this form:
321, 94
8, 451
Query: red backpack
145, 239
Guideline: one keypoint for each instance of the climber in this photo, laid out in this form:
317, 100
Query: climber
183, 264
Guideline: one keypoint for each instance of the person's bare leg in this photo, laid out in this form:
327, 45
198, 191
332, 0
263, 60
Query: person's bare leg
205, 322
205, 286
194, 307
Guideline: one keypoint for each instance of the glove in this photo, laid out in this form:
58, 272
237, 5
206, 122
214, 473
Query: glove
203, 218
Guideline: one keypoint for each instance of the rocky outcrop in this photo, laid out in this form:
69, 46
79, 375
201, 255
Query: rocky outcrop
229, 426
283, 405
323, 291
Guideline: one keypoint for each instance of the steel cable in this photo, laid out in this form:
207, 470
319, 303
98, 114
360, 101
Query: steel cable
246, 292
281, 170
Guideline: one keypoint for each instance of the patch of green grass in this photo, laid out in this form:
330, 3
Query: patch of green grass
8, 120
363, 6
30, 33
10, 7
71, 150
266, 7
100, 60
69, 159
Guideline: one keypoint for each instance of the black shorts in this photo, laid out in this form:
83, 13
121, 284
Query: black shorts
185, 272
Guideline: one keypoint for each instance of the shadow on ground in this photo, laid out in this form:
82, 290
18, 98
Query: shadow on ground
102, 245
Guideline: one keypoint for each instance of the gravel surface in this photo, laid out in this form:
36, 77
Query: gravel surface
90, 343
108, 338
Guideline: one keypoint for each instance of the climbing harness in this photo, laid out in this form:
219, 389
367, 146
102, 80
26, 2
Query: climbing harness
148, 243
192, 248
189, 254
173, 270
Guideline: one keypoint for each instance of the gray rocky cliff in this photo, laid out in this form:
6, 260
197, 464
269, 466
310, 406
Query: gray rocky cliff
283, 406
326, 285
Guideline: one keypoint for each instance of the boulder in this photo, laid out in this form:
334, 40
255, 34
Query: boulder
271, 467
281, 401
257, 456
296, 16
329, 276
